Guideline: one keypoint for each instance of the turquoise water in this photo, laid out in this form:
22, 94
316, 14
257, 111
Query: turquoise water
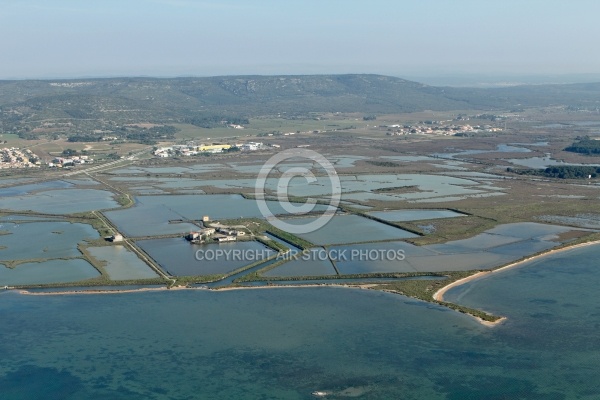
286, 343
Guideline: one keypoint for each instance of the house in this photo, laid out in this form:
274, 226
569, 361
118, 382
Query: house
215, 148
226, 239
228, 231
207, 231
251, 146
200, 235
192, 236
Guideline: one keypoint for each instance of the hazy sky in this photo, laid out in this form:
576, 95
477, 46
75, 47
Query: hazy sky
77, 38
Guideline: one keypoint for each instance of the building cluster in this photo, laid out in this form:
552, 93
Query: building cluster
251, 146
446, 130
15, 158
60, 162
192, 149
279, 134
222, 234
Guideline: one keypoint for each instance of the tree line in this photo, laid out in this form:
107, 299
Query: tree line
585, 146
561, 172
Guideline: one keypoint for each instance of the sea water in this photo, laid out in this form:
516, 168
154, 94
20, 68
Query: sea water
289, 342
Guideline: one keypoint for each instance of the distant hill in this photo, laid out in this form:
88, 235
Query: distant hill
247, 94
122, 100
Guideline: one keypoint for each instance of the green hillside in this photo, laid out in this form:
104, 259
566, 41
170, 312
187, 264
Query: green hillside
78, 106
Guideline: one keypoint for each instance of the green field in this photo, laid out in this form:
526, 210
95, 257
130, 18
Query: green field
192, 132
259, 126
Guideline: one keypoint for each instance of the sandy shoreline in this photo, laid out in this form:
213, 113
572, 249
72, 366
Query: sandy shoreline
439, 295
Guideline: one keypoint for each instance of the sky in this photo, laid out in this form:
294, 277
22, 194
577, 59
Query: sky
167, 38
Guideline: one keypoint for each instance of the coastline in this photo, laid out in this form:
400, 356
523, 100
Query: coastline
439, 294
178, 288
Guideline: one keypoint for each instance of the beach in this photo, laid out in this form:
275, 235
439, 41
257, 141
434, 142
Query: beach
439, 295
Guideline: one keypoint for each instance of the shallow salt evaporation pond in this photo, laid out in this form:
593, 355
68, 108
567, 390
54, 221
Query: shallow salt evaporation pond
56, 239
362, 187
188, 169
57, 253
179, 257
500, 245
343, 229
311, 266
21, 190
60, 201
151, 214
416, 187
121, 264
414, 215
51, 271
